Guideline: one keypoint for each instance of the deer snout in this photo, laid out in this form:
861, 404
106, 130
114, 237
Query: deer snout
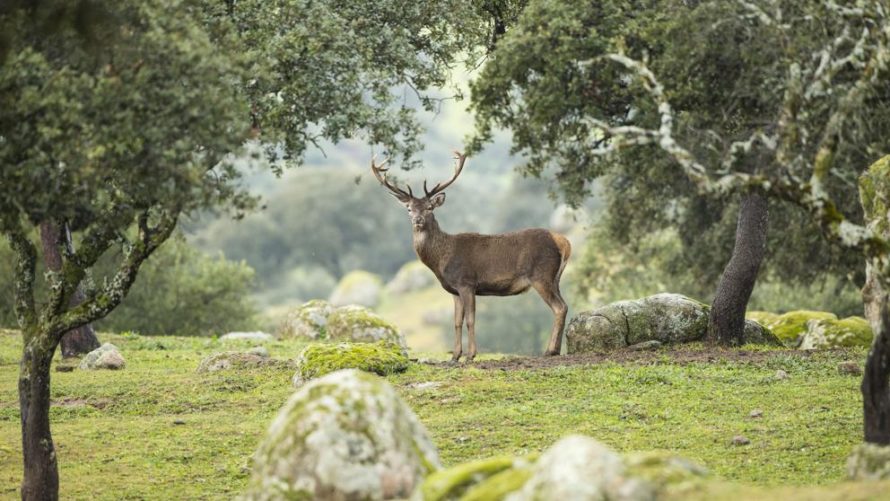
417, 220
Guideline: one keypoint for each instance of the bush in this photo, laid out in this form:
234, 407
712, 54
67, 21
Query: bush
182, 291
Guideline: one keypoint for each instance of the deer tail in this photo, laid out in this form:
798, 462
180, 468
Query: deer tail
565, 251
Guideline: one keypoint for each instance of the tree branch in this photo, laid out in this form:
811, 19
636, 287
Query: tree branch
110, 296
25, 263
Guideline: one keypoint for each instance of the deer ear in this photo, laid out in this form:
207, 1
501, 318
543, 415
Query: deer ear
438, 200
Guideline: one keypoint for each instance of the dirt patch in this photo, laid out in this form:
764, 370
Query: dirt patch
98, 403
679, 356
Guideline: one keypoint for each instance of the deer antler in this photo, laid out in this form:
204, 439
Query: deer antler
380, 174
461, 158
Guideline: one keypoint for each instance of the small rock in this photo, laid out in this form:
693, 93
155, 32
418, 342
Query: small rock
248, 336
740, 440
462, 440
645, 345
756, 413
178, 421
427, 385
260, 351
780, 375
106, 356
849, 367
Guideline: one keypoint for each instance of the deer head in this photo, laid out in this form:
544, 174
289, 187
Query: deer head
419, 209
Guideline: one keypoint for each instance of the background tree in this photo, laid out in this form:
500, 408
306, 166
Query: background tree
549, 83
126, 135
832, 112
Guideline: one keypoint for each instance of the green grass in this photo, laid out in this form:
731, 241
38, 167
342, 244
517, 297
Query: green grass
116, 434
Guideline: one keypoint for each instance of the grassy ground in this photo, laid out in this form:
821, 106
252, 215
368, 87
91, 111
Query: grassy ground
158, 430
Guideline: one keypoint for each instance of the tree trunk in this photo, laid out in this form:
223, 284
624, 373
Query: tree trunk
726, 323
83, 339
41, 480
875, 392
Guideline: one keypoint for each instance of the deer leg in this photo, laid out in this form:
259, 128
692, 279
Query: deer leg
550, 294
458, 324
469, 300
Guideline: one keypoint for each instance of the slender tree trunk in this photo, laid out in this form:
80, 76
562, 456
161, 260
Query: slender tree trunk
726, 324
41, 480
875, 391
83, 339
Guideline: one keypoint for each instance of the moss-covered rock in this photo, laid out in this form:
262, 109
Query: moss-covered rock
664, 470
834, 333
791, 326
344, 436
667, 318
360, 325
308, 321
234, 360
757, 333
411, 276
476, 478
764, 318
357, 287
318, 359
869, 462
574, 468
106, 356
580, 468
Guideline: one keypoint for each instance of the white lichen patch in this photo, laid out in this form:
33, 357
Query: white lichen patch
307, 321
346, 435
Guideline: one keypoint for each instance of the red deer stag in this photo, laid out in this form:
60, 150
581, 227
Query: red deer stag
470, 264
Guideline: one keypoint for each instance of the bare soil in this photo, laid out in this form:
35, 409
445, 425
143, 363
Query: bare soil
674, 356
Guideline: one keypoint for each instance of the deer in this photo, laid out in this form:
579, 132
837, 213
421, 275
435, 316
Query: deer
470, 264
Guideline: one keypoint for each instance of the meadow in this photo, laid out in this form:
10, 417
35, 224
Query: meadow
159, 430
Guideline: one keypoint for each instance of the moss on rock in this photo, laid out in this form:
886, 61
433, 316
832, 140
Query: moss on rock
833, 333
453, 483
666, 318
318, 359
790, 326
357, 287
308, 321
347, 435
663, 470
360, 325
869, 462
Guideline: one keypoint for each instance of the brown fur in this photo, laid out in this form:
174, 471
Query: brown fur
470, 264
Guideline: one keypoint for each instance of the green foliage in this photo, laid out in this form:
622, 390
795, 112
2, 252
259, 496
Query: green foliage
726, 74
606, 270
182, 291
381, 358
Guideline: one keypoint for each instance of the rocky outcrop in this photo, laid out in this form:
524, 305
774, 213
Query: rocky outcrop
236, 360
666, 318
259, 337
347, 435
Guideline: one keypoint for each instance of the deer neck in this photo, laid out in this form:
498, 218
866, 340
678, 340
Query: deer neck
431, 244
